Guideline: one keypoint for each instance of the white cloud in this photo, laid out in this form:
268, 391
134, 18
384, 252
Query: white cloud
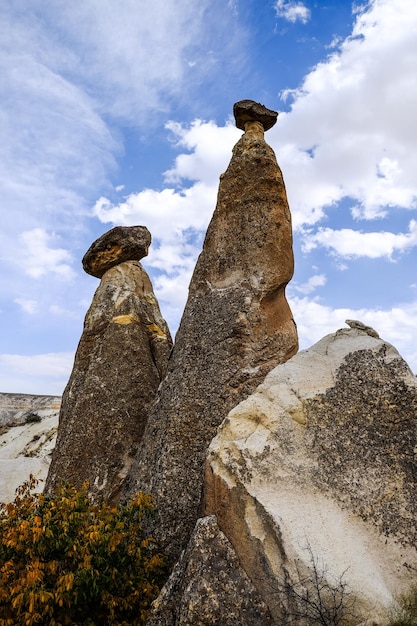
167, 213
292, 11
351, 131
39, 258
397, 325
45, 374
350, 243
318, 280
210, 151
28, 306
124, 53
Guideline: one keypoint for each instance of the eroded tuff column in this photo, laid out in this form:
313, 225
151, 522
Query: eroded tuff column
236, 327
119, 364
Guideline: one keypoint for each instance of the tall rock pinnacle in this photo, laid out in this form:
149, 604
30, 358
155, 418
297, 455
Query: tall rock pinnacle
236, 327
119, 364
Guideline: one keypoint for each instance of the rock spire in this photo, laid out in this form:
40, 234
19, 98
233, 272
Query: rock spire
120, 362
236, 327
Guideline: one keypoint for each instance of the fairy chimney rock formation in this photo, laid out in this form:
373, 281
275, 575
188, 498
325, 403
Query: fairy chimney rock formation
119, 364
236, 327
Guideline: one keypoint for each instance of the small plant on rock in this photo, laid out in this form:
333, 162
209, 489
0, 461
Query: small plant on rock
32, 418
65, 560
320, 599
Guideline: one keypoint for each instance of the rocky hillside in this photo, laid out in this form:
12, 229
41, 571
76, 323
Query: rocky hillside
28, 426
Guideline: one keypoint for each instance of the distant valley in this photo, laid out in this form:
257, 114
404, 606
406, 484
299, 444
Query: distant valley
28, 425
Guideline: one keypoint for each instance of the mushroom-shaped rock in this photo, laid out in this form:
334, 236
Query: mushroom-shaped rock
119, 364
251, 111
237, 325
122, 243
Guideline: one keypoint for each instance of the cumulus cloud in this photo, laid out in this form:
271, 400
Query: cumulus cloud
292, 11
39, 258
350, 243
397, 325
209, 149
350, 132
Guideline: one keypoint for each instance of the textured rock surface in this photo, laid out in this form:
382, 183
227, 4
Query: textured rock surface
208, 587
236, 327
120, 360
322, 460
121, 243
250, 111
28, 426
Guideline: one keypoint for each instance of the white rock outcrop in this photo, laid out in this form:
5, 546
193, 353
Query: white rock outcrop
317, 470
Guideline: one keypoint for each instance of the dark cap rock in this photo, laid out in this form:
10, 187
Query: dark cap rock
251, 111
122, 243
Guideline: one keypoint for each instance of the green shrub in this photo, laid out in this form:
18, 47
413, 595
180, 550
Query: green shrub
65, 560
32, 417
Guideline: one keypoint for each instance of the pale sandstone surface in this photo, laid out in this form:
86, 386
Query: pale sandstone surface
121, 243
321, 460
119, 364
208, 587
236, 327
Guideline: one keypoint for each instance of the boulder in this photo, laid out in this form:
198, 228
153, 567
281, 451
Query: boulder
250, 111
236, 326
121, 243
120, 362
313, 478
208, 587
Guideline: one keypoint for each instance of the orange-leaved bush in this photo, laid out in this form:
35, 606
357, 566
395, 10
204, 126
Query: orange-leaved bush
67, 560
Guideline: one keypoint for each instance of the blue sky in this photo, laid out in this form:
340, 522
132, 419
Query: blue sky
121, 113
